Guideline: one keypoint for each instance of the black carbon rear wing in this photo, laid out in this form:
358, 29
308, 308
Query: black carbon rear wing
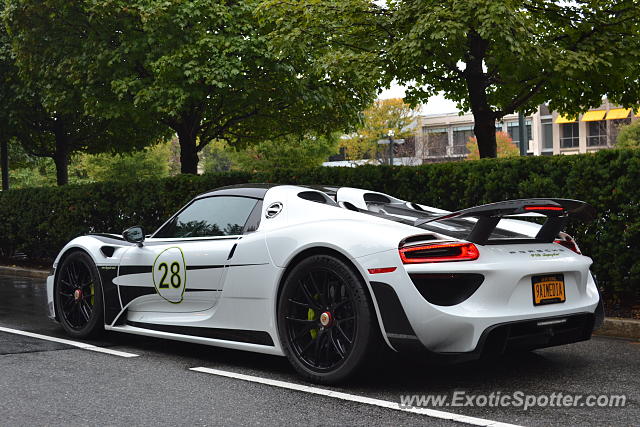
557, 211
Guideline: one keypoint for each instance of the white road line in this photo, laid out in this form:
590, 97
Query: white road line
355, 398
78, 344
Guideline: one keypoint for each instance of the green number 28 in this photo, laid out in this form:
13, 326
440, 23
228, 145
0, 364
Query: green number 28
175, 279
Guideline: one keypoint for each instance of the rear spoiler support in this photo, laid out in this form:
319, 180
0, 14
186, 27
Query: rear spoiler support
557, 211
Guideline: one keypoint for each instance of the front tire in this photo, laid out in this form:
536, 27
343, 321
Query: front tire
325, 321
78, 296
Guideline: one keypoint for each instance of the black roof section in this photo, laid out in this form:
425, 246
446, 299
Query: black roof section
258, 190
248, 190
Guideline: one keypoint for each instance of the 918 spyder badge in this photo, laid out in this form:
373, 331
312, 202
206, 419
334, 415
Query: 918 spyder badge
170, 275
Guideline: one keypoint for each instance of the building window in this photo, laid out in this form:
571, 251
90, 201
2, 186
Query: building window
437, 141
461, 135
547, 135
614, 128
597, 136
513, 129
569, 135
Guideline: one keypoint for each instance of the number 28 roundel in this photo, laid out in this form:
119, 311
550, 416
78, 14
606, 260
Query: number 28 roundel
170, 275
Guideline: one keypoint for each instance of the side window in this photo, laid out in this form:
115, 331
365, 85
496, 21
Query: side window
211, 216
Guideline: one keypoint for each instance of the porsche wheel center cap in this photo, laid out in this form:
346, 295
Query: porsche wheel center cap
325, 319
77, 294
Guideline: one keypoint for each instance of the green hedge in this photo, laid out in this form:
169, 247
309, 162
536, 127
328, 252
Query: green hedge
39, 221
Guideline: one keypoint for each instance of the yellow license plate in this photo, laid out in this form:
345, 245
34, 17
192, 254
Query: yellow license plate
548, 289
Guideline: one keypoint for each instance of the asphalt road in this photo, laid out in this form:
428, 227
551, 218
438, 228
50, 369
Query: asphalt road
50, 383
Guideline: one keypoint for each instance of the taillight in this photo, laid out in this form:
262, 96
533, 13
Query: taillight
569, 243
440, 252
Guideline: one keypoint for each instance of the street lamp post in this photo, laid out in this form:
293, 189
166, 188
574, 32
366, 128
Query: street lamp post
391, 133
522, 131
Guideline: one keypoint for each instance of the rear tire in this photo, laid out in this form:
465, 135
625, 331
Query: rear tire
78, 296
325, 321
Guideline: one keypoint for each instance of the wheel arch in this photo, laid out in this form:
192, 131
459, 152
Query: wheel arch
326, 250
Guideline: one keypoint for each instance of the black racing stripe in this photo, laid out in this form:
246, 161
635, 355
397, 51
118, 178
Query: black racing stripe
110, 293
134, 269
203, 267
238, 335
243, 265
187, 240
138, 269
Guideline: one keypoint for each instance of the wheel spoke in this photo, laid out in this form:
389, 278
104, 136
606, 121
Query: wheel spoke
67, 284
305, 321
83, 311
341, 304
339, 328
346, 319
318, 348
308, 346
302, 304
319, 291
336, 345
304, 331
308, 297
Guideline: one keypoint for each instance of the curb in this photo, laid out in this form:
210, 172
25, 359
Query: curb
25, 272
620, 328
612, 326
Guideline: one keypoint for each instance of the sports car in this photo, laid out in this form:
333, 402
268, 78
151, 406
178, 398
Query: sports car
325, 275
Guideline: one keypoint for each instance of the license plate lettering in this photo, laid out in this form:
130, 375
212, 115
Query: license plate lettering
548, 289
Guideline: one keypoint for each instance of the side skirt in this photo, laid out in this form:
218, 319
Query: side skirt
236, 345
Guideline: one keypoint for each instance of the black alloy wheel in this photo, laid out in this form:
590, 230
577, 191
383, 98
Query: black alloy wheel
325, 319
78, 296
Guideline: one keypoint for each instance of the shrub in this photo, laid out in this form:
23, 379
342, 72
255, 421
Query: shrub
40, 221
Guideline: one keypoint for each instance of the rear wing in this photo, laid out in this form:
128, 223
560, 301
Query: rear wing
557, 211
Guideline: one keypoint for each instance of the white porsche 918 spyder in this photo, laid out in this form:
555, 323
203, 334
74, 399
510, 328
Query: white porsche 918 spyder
322, 274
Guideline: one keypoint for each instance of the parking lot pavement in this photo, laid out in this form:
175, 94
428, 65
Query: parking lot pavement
52, 383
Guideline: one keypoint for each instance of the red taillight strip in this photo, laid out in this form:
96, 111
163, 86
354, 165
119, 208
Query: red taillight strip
382, 270
544, 208
468, 252
569, 244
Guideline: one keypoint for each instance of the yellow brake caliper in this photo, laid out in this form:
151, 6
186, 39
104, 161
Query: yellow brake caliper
311, 315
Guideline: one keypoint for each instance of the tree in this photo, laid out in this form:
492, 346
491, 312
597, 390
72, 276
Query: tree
46, 116
492, 57
286, 152
505, 147
202, 68
380, 118
149, 163
629, 136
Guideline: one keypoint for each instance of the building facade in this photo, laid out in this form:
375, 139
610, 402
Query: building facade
443, 137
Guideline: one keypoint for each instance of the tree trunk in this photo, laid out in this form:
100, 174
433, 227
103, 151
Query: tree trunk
4, 164
484, 117
61, 159
188, 150
485, 131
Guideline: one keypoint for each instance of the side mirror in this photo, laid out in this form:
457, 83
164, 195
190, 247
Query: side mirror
134, 234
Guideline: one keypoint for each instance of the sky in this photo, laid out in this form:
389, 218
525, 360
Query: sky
436, 105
